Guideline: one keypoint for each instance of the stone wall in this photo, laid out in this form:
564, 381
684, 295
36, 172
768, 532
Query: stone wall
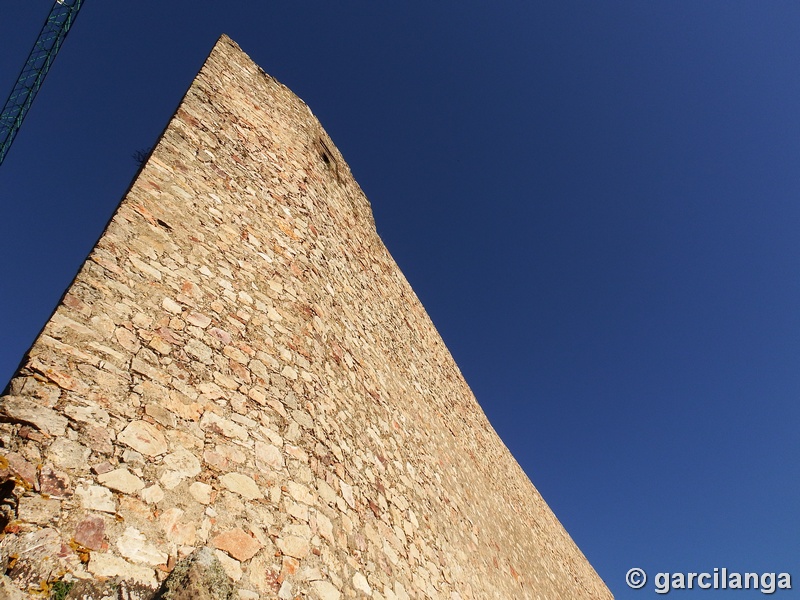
241, 365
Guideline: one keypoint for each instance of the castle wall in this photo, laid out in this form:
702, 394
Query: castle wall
240, 364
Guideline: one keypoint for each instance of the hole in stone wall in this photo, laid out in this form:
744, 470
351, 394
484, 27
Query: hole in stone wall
8, 503
327, 157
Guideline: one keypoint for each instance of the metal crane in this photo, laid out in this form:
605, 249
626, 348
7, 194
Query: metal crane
54, 31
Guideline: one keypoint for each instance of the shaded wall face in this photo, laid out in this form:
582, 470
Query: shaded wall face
240, 364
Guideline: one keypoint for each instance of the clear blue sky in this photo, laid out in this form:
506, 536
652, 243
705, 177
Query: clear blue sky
598, 203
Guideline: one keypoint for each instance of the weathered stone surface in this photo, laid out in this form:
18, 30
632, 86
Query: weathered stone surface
294, 546
360, 583
32, 557
127, 339
177, 529
326, 590
54, 483
161, 415
199, 576
8, 591
285, 593
133, 458
68, 454
238, 544
109, 589
90, 532
98, 439
199, 320
108, 565
201, 492
231, 566
144, 437
242, 485
133, 545
23, 468
268, 457
179, 465
38, 510
347, 494
226, 427
24, 410
96, 497
152, 494
301, 493
121, 480
198, 350
87, 413
170, 305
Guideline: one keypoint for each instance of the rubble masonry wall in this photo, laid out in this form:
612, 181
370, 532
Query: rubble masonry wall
240, 364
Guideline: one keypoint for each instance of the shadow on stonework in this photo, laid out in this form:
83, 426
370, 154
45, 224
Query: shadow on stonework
199, 576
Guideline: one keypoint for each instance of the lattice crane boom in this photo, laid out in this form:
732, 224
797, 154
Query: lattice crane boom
54, 31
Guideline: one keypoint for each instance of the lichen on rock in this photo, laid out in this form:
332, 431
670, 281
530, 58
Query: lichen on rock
199, 576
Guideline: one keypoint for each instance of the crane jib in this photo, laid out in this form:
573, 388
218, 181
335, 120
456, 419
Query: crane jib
51, 37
